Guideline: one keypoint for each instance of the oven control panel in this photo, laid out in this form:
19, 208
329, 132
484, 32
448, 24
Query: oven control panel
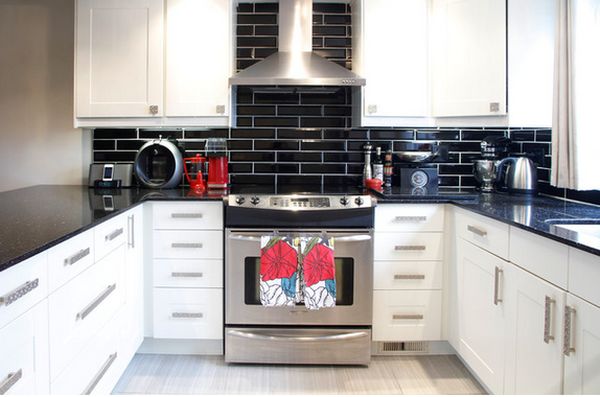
300, 202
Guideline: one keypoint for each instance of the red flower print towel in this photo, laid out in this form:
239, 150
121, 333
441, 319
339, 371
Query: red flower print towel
278, 271
318, 264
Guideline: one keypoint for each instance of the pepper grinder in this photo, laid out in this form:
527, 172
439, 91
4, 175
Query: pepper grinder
367, 170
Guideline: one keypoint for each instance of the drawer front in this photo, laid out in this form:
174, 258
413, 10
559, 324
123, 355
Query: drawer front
409, 246
485, 233
407, 315
409, 218
188, 313
109, 235
22, 286
188, 273
187, 216
82, 307
543, 257
584, 274
408, 275
188, 244
70, 258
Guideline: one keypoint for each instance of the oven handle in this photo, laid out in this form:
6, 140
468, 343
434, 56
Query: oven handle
351, 238
272, 337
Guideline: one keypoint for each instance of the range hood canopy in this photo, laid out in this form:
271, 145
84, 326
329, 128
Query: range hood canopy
295, 63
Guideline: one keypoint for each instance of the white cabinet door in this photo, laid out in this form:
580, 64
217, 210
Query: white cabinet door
198, 58
119, 58
534, 313
582, 345
468, 53
481, 313
397, 76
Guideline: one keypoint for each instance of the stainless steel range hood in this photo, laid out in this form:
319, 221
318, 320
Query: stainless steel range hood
295, 63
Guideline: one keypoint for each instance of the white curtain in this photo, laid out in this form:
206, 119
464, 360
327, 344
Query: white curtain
575, 124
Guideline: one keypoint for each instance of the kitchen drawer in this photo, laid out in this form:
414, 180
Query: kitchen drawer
409, 246
109, 235
407, 315
95, 369
191, 313
24, 353
83, 306
408, 275
70, 258
485, 233
188, 244
584, 274
409, 218
541, 256
187, 216
22, 286
188, 273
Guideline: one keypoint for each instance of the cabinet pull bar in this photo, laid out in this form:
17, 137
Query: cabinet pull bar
410, 219
131, 234
568, 326
90, 308
407, 317
19, 292
477, 231
187, 315
113, 235
187, 274
183, 215
77, 257
497, 273
409, 277
10, 381
548, 319
410, 248
103, 370
186, 245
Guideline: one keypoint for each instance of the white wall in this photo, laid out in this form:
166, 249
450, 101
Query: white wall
38, 144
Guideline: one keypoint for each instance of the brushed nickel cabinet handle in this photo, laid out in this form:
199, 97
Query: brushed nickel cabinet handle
497, 273
548, 319
186, 245
187, 274
103, 370
187, 315
568, 327
99, 299
410, 248
407, 317
10, 381
410, 219
189, 215
113, 235
77, 257
477, 231
409, 277
19, 292
220, 109
153, 109
131, 234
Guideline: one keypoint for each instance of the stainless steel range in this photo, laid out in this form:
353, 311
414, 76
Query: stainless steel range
293, 334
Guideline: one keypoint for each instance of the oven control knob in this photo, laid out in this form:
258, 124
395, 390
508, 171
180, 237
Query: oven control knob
240, 200
255, 200
359, 201
344, 201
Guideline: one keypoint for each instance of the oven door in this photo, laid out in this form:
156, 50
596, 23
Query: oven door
354, 281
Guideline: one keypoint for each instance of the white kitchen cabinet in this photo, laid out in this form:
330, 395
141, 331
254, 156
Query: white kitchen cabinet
468, 57
534, 334
119, 58
481, 313
582, 347
199, 57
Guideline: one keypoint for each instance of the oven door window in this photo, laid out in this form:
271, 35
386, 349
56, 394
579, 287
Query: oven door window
344, 277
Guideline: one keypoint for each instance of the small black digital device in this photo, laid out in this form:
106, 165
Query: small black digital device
108, 172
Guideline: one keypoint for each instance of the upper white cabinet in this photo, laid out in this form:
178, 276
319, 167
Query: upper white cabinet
198, 34
468, 57
119, 58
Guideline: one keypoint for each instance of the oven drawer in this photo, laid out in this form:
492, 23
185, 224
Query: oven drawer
187, 216
407, 315
188, 245
188, 273
408, 275
409, 218
298, 346
408, 246
188, 313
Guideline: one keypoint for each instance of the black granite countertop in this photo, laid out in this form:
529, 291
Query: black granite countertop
424, 195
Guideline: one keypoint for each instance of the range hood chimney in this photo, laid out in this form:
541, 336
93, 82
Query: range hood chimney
295, 63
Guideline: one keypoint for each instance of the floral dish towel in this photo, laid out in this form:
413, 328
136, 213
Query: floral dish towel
318, 264
279, 282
